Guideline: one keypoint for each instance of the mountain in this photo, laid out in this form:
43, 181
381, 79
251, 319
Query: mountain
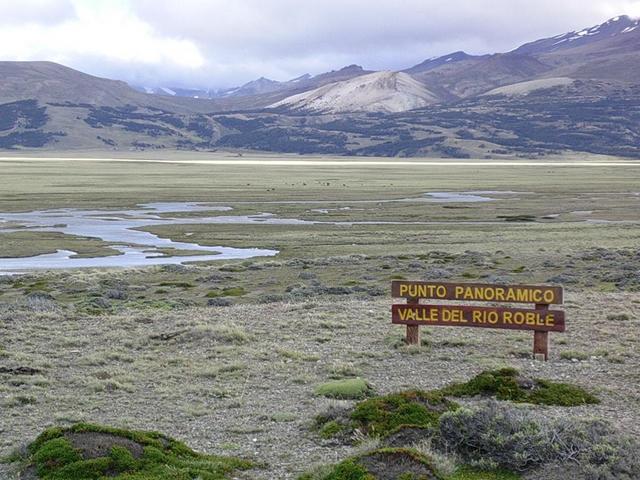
476, 75
374, 92
255, 87
263, 86
436, 62
578, 91
50, 82
176, 91
612, 28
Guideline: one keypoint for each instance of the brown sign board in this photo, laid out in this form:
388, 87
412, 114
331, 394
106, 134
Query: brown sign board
541, 320
477, 292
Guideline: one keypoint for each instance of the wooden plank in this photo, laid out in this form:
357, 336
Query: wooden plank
478, 292
482, 317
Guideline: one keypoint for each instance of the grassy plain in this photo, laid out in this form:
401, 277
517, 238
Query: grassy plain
241, 378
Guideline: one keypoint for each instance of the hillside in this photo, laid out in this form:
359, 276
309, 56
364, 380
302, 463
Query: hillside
375, 92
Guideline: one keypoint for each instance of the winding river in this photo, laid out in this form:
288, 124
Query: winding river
139, 248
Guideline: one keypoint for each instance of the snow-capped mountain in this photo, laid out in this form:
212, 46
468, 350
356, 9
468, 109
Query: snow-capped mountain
375, 92
616, 26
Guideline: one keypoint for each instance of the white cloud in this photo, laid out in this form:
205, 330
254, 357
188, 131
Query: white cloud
34, 11
106, 30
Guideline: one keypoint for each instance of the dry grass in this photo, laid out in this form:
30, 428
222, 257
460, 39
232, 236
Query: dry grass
216, 377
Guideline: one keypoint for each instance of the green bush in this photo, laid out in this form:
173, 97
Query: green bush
506, 384
397, 463
380, 416
57, 454
348, 389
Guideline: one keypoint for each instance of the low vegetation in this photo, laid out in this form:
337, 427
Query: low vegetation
351, 389
92, 452
498, 436
493, 441
508, 384
390, 414
234, 373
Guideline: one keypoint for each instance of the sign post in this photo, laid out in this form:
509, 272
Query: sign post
541, 319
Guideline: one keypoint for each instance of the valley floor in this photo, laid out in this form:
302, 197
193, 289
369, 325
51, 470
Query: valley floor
227, 355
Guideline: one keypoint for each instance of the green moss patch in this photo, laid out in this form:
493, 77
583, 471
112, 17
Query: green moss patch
383, 464
507, 384
348, 389
381, 416
92, 452
473, 474
385, 415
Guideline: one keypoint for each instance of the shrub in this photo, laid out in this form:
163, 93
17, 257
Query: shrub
387, 463
573, 355
88, 452
494, 437
516, 439
227, 292
507, 384
380, 416
352, 388
219, 302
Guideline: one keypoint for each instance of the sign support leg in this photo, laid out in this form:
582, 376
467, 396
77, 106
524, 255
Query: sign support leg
541, 339
413, 335
413, 331
541, 345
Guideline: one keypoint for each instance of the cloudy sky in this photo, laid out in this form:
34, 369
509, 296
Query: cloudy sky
223, 43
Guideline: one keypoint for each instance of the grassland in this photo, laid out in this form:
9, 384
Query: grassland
27, 244
227, 356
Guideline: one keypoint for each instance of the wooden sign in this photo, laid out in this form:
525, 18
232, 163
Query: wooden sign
541, 320
478, 292
472, 316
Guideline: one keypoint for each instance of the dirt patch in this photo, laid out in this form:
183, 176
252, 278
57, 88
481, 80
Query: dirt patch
408, 435
97, 444
393, 465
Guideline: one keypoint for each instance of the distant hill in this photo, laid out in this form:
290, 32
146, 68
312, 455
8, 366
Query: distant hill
576, 91
49, 82
374, 92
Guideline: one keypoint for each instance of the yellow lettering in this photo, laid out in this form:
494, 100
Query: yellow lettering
549, 297
530, 318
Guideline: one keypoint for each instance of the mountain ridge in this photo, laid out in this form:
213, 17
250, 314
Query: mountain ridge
581, 97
